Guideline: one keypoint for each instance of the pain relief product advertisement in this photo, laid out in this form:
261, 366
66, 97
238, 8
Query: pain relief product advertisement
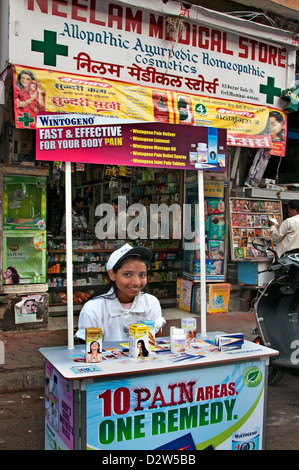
212, 408
219, 295
92, 139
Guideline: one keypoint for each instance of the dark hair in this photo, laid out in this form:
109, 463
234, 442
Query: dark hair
280, 119
103, 290
99, 350
294, 204
277, 115
23, 72
78, 199
14, 275
143, 348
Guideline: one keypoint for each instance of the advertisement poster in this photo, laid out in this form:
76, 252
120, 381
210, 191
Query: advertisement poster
212, 408
30, 309
185, 294
58, 411
24, 257
278, 131
90, 139
213, 188
218, 298
24, 202
247, 125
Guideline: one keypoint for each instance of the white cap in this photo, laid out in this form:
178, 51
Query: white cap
128, 250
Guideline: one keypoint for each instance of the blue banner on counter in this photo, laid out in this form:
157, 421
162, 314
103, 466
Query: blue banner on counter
215, 408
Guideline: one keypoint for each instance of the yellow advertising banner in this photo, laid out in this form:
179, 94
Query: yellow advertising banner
51, 91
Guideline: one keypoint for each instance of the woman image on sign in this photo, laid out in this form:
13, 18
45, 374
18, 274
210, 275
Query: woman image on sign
30, 96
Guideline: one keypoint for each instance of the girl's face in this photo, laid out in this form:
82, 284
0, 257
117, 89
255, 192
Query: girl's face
25, 79
30, 306
94, 346
7, 273
275, 126
130, 279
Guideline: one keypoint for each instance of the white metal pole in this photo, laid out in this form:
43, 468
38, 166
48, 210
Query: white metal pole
69, 253
201, 208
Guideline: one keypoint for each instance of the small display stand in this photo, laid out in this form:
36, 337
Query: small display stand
202, 398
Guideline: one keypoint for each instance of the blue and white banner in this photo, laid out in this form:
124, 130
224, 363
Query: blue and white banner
210, 408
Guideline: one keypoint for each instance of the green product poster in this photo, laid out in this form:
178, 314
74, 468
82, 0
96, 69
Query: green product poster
24, 257
24, 202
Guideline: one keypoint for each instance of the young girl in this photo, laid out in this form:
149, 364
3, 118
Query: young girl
124, 303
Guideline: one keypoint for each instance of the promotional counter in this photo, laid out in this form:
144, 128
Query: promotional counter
200, 399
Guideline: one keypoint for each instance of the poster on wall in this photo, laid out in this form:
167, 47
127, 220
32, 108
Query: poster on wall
278, 131
24, 202
30, 309
90, 139
213, 408
24, 257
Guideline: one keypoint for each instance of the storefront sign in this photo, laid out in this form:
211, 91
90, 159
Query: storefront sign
210, 408
89, 139
166, 45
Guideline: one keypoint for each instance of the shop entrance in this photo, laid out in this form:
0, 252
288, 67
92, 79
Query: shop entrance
101, 186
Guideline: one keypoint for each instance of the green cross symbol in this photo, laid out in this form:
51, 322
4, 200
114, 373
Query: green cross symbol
26, 119
292, 99
49, 47
270, 90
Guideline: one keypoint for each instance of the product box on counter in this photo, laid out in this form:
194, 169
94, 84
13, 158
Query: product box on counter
94, 341
138, 340
231, 341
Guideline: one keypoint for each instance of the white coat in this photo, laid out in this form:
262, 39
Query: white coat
114, 319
